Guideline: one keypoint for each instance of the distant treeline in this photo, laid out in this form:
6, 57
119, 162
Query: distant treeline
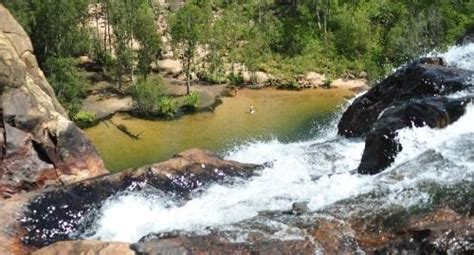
284, 37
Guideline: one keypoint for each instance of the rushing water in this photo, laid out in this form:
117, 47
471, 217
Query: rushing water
317, 170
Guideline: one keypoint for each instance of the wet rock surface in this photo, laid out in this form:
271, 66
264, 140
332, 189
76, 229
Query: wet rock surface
426, 77
467, 38
414, 96
381, 145
365, 224
39, 145
66, 213
214, 244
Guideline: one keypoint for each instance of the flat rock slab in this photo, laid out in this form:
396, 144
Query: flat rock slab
104, 106
89, 247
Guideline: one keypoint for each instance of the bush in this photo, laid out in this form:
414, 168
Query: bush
150, 99
236, 79
191, 101
327, 82
85, 117
213, 77
68, 85
167, 106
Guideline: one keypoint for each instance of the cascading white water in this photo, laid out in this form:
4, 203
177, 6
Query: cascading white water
317, 171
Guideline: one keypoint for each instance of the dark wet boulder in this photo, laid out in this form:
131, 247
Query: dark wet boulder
467, 38
425, 77
39, 145
66, 213
381, 145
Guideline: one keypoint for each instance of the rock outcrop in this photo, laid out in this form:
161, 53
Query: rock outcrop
39, 145
177, 177
381, 147
423, 78
414, 96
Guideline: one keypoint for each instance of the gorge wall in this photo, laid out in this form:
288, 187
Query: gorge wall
39, 145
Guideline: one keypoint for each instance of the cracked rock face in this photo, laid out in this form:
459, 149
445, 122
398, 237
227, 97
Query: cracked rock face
39, 145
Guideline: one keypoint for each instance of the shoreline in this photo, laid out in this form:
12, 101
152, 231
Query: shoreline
106, 105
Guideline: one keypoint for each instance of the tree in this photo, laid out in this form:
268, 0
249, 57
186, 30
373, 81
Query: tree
188, 28
146, 34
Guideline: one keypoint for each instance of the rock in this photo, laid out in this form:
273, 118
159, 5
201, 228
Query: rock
381, 145
467, 38
261, 77
179, 176
40, 145
105, 107
170, 66
357, 85
363, 75
213, 244
310, 80
89, 247
10, 232
299, 208
425, 77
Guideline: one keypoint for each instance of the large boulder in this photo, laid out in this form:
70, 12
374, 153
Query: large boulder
39, 145
72, 204
381, 145
423, 78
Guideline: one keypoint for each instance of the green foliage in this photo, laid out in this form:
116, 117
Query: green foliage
167, 106
235, 79
67, 83
188, 29
327, 82
146, 35
84, 117
191, 101
54, 26
215, 77
285, 38
149, 96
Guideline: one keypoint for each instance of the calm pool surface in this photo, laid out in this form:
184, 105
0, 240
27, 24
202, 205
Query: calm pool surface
284, 115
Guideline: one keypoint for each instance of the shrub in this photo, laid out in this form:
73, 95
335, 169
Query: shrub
150, 99
85, 117
213, 77
236, 79
167, 106
191, 101
68, 85
327, 82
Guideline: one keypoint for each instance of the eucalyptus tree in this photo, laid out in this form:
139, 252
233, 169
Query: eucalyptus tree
188, 29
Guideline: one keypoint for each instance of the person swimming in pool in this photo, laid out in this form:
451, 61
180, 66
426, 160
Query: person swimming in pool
251, 109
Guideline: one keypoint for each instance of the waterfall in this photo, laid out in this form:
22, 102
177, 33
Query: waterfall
319, 171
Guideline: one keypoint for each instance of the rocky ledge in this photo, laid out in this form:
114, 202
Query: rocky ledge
65, 213
39, 145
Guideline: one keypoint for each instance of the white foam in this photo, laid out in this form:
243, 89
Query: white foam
316, 171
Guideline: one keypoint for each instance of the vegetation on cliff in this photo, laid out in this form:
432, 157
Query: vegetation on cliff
220, 39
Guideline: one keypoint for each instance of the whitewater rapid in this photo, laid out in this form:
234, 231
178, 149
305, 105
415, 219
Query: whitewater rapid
319, 171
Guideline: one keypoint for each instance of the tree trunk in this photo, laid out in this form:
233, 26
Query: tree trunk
188, 70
